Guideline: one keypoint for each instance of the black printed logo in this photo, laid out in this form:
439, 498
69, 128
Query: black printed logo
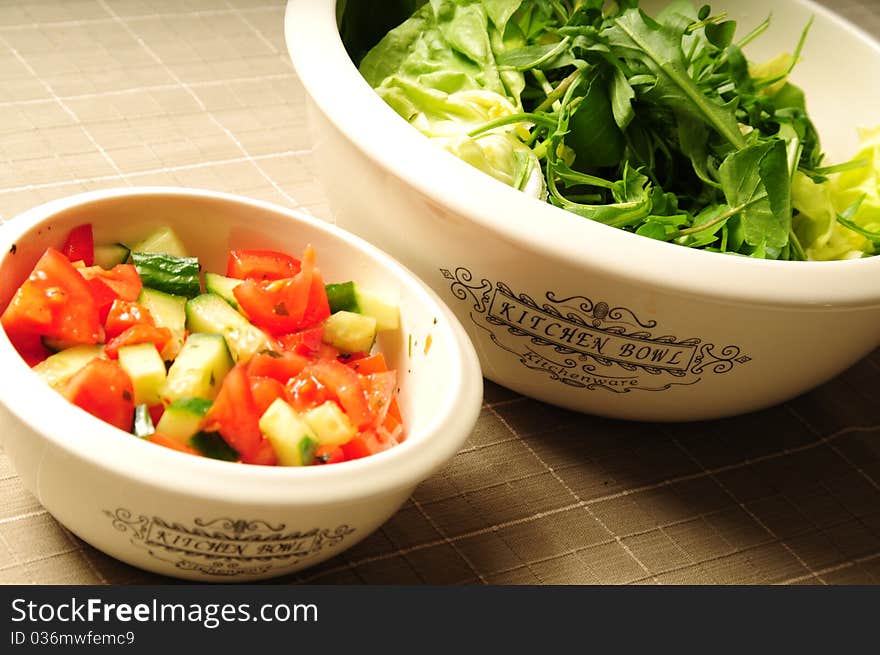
225, 546
587, 344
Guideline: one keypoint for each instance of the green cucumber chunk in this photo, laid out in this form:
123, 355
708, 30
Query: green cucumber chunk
350, 332
222, 286
199, 369
162, 240
386, 313
178, 276
351, 297
211, 444
143, 422
210, 313
293, 440
330, 424
168, 311
110, 254
341, 297
146, 369
57, 369
183, 418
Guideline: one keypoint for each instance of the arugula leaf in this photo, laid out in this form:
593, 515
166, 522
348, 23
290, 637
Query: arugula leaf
622, 96
776, 180
749, 178
693, 139
593, 133
632, 201
721, 34
636, 36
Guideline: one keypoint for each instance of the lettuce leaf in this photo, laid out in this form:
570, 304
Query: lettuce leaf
861, 183
820, 203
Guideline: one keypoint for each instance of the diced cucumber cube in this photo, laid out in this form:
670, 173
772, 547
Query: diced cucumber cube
169, 312
291, 437
146, 369
386, 313
162, 240
111, 254
183, 418
222, 286
210, 313
212, 444
351, 297
330, 424
178, 276
199, 369
341, 297
57, 369
350, 332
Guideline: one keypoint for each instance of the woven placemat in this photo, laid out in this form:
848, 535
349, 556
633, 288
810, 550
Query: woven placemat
200, 93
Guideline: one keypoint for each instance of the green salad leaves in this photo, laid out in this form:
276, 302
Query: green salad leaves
658, 125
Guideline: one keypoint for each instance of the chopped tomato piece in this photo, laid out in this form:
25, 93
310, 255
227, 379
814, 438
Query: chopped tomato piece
391, 425
304, 392
362, 445
318, 307
394, 410
80, 245
264, 455
305, 342
55, 301
164, 440
123, 315
346, 385
103, 389
369, 364
379, 390
261, 265
326, 351
30, 346
234, 415
139, 333
122, 278
329, 455
103, 296
265, 391
288, 304
279, 366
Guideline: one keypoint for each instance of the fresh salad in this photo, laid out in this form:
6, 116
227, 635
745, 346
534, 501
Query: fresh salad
266, 364
658, 125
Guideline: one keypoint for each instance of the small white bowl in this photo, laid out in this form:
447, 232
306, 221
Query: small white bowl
583, 315
203, 519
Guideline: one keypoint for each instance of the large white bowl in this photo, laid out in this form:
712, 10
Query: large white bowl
204, 519
583, 315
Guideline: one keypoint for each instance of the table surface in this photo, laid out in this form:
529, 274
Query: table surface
200, 93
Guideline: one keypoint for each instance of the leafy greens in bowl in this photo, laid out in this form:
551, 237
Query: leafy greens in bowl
656, 124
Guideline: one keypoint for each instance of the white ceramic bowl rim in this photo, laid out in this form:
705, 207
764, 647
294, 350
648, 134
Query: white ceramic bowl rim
344, 97
421, 453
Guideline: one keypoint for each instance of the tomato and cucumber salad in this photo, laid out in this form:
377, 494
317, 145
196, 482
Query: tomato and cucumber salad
266, 364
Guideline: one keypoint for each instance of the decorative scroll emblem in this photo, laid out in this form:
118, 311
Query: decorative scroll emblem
587, 344
225, 546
